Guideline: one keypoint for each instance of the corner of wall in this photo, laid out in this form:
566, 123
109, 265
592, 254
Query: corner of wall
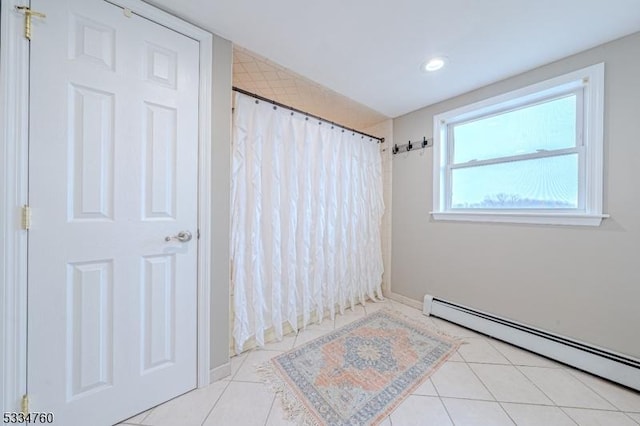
220, 184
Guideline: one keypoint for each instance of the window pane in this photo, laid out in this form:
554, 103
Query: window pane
549, 125
541, 183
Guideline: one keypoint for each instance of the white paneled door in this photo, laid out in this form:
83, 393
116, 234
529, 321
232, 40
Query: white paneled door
113, 166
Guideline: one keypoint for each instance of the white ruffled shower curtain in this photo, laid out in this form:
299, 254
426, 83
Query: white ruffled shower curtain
306, 206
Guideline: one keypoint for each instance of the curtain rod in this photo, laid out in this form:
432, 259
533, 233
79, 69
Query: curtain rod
276, 103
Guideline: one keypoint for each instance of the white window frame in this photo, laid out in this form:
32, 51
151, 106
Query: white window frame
588, 84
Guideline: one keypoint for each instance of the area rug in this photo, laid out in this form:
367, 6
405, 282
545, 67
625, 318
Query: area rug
358, 374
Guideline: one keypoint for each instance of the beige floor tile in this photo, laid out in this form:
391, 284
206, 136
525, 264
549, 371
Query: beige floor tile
537, 415
236, 362
508, 384
305, 336
283, 345
456, 380
189, 409
419, 411
371, 307
465, 412
248, 371
634, 416
138, 419
429, 321
349, 316
409, 311
519, 356
456, 357
426, 389
242, 404
598, 418
480, 351
454, 329
622, 398
386, 422
327, 324
564, 389
467, 390
277, 416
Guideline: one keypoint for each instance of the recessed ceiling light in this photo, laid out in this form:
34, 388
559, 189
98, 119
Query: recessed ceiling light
433, 64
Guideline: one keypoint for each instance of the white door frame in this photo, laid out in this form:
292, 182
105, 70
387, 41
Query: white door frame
14, 166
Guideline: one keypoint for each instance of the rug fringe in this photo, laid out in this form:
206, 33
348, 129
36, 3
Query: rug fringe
293, 408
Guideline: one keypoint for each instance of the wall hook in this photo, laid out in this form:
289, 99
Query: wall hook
425, 142
409, 146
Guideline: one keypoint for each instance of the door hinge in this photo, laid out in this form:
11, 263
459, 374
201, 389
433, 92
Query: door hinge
26, 217
28, 14
24, 404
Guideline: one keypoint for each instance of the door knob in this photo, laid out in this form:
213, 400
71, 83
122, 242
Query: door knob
182, 236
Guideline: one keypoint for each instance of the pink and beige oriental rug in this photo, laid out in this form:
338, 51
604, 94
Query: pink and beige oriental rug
358, 374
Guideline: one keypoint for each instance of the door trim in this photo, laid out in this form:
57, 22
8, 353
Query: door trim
14, 125
14, 122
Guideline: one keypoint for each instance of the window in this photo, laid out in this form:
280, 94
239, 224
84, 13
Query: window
530, 156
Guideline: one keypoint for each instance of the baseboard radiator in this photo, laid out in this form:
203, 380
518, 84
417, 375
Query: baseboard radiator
601, 362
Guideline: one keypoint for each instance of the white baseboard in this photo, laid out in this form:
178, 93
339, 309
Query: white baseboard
220, 372
602, 362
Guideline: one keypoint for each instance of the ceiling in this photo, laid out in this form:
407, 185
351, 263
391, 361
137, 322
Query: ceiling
371, 50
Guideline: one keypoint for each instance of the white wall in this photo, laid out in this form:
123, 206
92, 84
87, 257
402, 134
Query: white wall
220, 186
581, 282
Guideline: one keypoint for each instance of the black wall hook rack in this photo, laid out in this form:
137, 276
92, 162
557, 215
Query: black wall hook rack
409, 146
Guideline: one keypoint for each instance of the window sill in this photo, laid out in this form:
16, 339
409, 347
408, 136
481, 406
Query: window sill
539, 218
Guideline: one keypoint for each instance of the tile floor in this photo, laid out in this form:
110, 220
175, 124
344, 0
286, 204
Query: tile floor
487, 382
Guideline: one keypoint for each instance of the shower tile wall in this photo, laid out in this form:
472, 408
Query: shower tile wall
259, 75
